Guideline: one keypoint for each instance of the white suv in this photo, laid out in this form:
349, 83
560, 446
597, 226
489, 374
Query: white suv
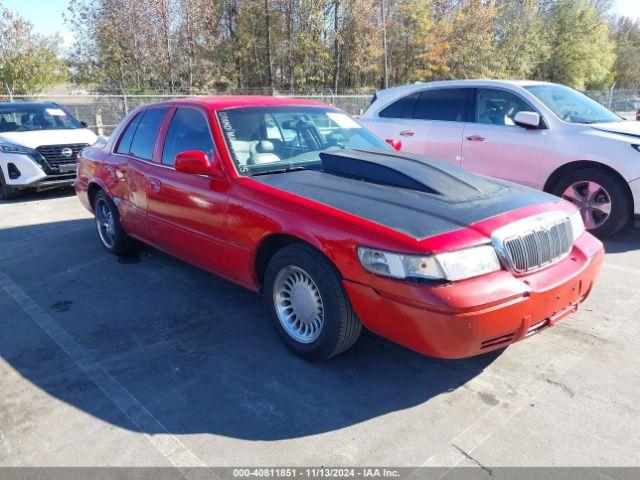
39, 146
543, 135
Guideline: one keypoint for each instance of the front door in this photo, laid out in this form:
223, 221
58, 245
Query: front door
187, 213
494, 145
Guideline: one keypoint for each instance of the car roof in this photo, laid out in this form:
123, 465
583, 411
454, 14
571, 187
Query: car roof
464, 83
234, 101
26, 104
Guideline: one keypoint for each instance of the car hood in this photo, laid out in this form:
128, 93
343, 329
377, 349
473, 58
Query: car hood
36, 138
407, 193
628, 128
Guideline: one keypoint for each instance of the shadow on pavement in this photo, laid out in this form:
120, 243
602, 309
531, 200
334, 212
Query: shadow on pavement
623, 241
198, 352
34, 196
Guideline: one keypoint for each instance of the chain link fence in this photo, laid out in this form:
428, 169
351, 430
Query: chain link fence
102, 113
624, 102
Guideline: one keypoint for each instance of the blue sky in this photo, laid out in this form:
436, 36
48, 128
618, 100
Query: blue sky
46, 15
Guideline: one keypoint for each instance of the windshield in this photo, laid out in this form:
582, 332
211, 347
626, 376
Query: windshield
275, 139
571, 105
30, 117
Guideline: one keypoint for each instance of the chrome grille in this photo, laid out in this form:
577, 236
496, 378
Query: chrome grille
54, 156
534, 243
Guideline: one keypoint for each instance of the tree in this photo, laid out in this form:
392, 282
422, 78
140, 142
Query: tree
521, 45
274, 45
627, 65
29, 62
471, 51
417, 42
581, 51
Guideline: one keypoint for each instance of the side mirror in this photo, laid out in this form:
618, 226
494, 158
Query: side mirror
395, 143
83, 123
527, 119
196, 162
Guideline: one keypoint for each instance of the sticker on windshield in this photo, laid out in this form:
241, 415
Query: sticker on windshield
343, 120
56, 112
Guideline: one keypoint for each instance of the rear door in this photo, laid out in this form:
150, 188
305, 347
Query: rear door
494, 145
132, 155
428, 122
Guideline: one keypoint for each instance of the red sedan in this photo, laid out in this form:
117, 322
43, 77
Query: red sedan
298, 201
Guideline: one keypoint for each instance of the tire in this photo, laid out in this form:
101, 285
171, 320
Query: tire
339, 328
115, 240
576, 186
6, 192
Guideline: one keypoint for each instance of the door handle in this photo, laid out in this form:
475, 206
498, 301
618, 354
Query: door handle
475, 138
406, 133
154, 184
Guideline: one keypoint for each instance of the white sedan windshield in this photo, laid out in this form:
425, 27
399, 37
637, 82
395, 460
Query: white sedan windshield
269, 139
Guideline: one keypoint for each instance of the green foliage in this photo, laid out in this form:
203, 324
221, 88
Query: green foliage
627, 65
198, 46
581, 51
28, 62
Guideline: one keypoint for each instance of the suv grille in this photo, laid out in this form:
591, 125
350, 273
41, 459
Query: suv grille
58, 154
534, 243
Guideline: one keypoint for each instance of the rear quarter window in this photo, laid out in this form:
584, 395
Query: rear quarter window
125, 140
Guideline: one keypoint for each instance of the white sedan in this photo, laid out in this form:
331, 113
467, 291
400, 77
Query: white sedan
543, 135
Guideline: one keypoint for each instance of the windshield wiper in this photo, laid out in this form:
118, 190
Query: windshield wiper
279, 170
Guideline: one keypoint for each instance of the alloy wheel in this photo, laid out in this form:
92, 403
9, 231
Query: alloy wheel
593, 201
105, 222
298, 304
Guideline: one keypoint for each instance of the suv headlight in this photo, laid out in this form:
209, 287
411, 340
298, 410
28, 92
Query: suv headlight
457, 265
577, 225
13, 148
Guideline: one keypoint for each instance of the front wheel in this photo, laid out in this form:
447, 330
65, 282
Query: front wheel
6, 192
601, 197
110, 232
310, 309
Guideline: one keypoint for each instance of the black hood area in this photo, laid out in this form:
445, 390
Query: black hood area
408, 171
407, 193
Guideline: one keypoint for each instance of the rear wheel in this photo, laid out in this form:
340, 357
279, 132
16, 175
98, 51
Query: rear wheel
309, 307
110, 232
6, 192
600, 196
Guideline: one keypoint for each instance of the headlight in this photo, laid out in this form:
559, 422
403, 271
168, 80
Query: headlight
577, 225
13, 148
458, 265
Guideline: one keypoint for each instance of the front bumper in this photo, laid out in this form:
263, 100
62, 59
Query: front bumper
481, 314
635, 191
35, 173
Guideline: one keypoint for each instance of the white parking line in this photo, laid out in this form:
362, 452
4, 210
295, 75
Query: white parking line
167, 444
483, 428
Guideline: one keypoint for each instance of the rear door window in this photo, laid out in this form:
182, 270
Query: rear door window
444, 104
188, 130
146, 132
402, 108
